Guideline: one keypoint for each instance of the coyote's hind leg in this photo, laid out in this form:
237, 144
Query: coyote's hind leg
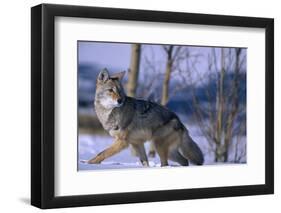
162, 151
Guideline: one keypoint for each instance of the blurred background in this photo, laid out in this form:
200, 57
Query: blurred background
204, 86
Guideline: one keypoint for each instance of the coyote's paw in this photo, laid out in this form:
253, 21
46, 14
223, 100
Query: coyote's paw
145, 163
94, 161
83, 161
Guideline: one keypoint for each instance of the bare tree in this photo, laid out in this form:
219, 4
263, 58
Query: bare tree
134, 70
152, 66
220, 149
220, 122
172, 53
234, 103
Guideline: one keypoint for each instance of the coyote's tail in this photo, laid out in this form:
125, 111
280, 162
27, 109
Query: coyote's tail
190, 150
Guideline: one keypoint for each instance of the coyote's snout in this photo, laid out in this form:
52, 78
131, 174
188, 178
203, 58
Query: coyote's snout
133, 122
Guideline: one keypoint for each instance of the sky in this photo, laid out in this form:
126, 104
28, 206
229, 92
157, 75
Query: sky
101, 53
117, 56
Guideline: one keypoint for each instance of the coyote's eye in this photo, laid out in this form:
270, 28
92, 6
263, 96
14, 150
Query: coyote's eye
110, 90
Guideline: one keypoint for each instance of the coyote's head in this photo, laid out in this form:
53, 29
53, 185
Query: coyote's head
109, 90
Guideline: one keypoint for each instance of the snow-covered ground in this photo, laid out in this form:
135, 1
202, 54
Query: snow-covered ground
90, 145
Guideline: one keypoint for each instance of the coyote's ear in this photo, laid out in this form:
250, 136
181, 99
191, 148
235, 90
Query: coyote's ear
103, 75
119, 75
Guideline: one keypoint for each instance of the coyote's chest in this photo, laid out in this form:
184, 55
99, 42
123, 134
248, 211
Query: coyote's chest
109, 122
103, 116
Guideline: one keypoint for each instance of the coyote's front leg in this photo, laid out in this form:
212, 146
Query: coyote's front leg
116, 147
140, 152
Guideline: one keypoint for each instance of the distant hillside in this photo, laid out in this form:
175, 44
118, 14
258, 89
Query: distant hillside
185, 96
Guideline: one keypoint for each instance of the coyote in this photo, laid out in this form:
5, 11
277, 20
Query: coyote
133, 122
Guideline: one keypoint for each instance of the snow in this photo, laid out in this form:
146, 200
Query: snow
89, 145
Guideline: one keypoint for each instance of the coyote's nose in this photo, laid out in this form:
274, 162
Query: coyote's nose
119, 101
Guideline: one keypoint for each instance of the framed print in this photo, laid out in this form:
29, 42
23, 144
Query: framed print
140, 106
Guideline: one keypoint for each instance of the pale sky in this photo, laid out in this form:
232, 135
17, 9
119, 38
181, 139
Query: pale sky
117, 56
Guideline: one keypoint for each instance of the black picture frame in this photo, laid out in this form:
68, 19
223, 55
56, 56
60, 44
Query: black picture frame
43, 102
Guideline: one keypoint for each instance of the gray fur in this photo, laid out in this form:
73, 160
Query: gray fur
142, 121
